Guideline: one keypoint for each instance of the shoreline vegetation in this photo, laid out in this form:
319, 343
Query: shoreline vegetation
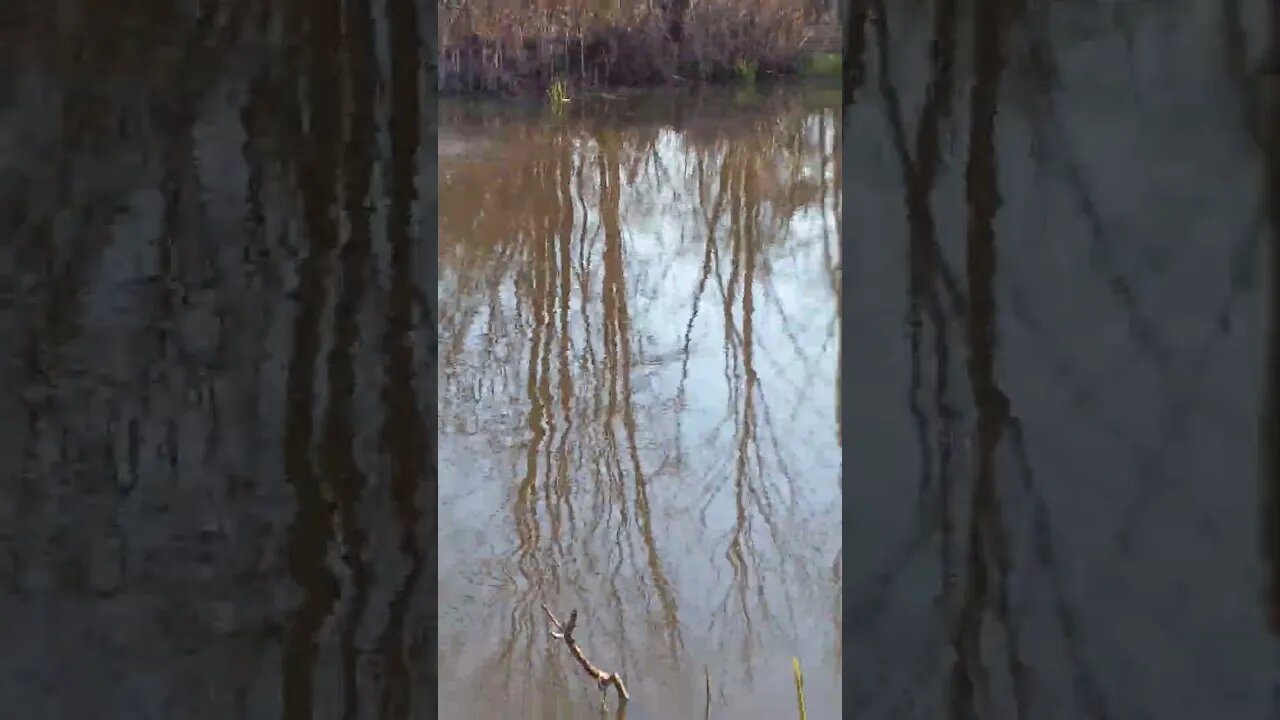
564, 47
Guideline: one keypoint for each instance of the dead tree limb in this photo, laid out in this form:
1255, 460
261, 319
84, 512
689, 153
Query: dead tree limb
565, 632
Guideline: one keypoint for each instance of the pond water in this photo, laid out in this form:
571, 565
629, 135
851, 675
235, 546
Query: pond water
639, 336
1060, 293
1059, 338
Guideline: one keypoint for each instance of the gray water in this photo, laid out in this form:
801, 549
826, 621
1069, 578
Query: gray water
1056, 261
216, 442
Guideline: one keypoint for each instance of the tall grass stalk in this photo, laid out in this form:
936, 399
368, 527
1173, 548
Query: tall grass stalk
795, 666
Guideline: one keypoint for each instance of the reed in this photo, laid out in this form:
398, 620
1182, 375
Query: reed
519, 47
795, 667
799, 676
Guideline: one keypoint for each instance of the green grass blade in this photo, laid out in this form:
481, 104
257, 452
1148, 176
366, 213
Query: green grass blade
795, 665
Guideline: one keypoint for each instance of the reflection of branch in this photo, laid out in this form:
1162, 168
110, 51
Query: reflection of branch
893, 110
565, 632
855, 43
1086, 684
1051, 135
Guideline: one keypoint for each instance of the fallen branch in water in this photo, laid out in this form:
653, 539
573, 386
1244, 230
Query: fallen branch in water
565, 632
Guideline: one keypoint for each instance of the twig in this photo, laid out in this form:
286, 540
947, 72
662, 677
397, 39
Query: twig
706, 674
565, 632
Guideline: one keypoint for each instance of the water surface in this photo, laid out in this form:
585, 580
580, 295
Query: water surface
638, 419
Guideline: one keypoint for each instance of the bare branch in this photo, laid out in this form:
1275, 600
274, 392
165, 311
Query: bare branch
565, 632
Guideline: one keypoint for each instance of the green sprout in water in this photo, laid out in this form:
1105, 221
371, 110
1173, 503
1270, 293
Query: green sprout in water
558, 94
795, 666
746, 70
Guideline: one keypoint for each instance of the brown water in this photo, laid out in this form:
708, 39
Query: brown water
639, 342
1060, 223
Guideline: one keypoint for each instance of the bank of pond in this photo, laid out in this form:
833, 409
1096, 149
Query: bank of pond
570, 49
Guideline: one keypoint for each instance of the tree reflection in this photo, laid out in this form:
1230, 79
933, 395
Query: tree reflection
207, 269
565, 260
981, 506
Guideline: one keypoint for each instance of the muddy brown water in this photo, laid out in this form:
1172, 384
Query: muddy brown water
638, 343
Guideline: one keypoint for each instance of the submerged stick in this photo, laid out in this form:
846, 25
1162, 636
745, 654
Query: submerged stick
565, 632
706, 674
